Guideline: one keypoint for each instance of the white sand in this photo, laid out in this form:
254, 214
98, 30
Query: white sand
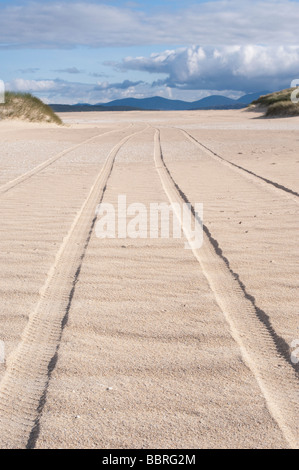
154, 346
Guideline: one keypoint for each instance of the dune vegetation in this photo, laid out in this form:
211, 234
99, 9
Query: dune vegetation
277, 104
24, 106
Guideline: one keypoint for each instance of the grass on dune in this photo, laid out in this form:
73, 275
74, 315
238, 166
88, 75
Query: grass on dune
27, 107
278, 104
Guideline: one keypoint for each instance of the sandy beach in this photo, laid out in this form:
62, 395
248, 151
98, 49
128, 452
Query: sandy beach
139, 342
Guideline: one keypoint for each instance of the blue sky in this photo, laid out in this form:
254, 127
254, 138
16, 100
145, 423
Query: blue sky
96, 51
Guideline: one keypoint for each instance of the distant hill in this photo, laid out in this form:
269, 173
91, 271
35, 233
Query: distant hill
153, 103
26, 107
157, 103
277, 104
212, 101
72, 108
248, 99
164, 104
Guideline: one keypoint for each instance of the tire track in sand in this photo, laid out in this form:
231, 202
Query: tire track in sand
264, 352
16, 181
243, 171
23, 388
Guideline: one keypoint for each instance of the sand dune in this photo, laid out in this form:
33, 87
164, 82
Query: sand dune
138, 342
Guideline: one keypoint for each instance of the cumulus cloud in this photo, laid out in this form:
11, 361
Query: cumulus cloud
21, 85
243, 68
69, 24
62, 91
117, 86
186, 73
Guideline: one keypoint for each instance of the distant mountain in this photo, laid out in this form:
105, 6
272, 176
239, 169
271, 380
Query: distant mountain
153, 103
73, 108
158, 103
247, 99
216, 102
163, 104
211, 101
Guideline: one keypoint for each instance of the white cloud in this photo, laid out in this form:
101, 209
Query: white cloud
68, 24
187, 73
21, 85
125, 85
62, 91
244, 68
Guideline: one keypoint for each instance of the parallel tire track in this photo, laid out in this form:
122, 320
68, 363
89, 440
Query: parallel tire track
24, 385
16, 181
262, 349
244, 171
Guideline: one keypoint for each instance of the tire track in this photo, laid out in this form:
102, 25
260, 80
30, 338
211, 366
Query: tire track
16, 181
23, 388
243, 171
265, 353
